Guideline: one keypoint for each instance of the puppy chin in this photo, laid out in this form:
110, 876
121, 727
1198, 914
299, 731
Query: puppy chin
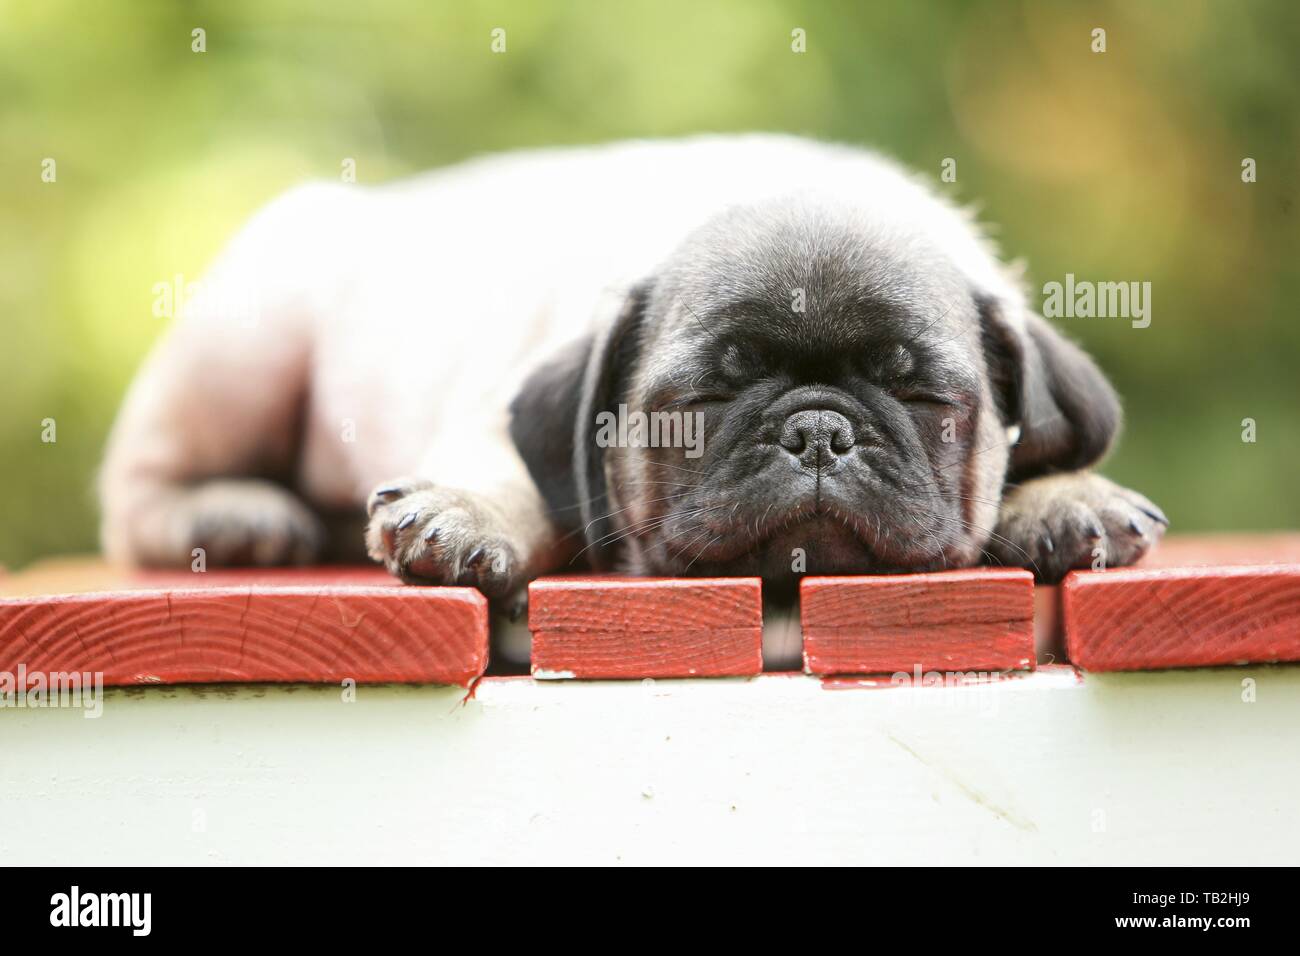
819, 545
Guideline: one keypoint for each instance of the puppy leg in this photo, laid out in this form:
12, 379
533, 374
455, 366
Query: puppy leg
218, 404
207, 416
1054, 524
485, 526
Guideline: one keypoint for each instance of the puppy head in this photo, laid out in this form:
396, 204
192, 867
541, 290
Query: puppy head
798, 389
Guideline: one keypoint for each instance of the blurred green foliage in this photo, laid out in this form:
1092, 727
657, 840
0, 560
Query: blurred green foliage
1123, 165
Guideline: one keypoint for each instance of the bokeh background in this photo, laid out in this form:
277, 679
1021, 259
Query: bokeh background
1117, 166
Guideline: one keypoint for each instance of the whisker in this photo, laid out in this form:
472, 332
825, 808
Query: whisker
971, 526
699, 553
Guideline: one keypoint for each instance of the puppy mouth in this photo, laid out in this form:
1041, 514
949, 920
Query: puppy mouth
817, 536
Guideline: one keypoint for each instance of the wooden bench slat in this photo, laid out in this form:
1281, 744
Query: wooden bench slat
977, 619
1223, 551
1190, 617
1196, 601
607, 626
289, 625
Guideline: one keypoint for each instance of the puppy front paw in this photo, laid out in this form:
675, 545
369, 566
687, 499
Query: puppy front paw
427, 534
1056, 524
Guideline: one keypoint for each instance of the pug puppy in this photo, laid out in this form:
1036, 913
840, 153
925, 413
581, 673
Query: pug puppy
839, 376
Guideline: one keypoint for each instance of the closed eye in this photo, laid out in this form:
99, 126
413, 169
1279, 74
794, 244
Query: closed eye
922, 397
695, 398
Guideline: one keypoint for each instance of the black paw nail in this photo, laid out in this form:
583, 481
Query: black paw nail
1155, 514
407, 521
474, 558
1094, 531
1134, 526
431, 535
383, 496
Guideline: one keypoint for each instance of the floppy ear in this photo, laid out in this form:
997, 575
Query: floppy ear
553, 422
1066, 410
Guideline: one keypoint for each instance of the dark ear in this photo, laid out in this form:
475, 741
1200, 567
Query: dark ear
1067, 412
553, 423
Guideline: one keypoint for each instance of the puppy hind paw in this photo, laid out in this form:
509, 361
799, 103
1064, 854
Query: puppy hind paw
1055, 525
245, 523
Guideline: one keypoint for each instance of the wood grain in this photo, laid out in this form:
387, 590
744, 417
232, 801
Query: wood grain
612, 627
978, 619
1135, 619
291, 625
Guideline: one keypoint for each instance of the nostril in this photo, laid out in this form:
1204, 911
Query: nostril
794, 439
842, 439
799, 429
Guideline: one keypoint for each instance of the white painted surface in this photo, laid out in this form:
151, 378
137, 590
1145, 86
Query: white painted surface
1138, 768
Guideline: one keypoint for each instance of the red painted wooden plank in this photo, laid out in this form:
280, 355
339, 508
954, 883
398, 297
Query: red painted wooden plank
1224, 550
311, 625
1134, 619
78, 575
1179, 551
977, 619
611, 627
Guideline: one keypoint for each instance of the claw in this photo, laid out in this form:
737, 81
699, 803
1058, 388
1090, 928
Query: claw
382, 496
1155, 514
1094, 531
1048, 544
408, 520
1134, 526
474, 558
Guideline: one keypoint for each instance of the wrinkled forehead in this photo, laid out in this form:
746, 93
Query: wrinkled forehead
792, 312
803, 271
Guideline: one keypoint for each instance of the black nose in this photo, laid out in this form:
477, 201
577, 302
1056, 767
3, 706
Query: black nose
817, 436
